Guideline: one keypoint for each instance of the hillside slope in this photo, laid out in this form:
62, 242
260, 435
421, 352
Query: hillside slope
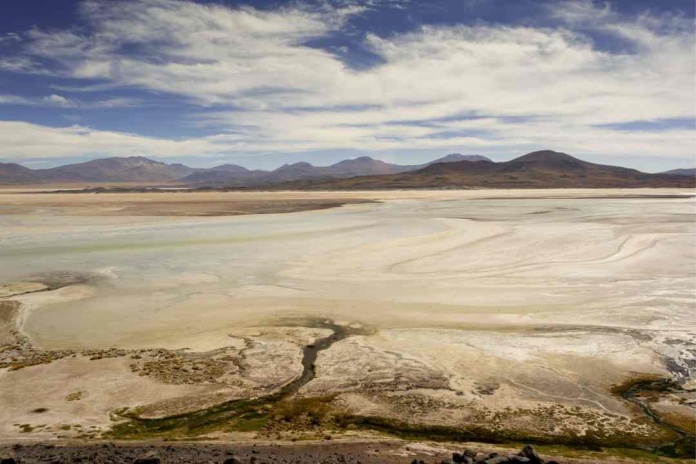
540, 169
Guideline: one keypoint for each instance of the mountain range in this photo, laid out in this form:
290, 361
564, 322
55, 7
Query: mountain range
539, 169
131, 169
140, 169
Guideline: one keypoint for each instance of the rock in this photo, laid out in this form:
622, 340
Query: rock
496, 460
147, 461
530, 453
465, 457
7, 461
515, 458
232, 460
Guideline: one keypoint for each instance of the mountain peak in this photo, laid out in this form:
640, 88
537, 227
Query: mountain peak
548, 161
125, 161
295, 166
452, 157
230, 168
357, 161
456, 157
545, 156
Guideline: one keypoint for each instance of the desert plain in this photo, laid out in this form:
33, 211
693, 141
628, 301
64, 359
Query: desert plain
547, 316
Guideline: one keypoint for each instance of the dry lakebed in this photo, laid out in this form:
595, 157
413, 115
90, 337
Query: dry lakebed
562, 318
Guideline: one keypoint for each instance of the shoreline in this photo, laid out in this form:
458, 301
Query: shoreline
220, 203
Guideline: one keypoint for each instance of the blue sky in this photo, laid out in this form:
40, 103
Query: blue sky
262, 83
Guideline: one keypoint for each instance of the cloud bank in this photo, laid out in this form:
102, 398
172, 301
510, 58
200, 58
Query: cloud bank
256, 81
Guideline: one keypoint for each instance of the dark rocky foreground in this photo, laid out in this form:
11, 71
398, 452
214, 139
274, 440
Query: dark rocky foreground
315, 453
528, 455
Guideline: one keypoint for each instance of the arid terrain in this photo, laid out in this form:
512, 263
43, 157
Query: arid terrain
556, 317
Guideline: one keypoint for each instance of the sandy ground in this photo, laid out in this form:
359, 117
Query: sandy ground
172, 203
480, 304
77, 394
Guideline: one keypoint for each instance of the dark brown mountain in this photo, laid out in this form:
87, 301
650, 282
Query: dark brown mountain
540, 169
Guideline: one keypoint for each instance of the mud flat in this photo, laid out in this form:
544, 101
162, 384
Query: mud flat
550, 317
163, 203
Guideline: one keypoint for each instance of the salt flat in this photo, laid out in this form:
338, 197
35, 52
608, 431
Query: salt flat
476, 302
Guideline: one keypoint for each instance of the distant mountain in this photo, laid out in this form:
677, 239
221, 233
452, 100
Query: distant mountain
681, 172
216, 175
12, 173
540, 169
141, 169
230, 168
362, 166
455, 157
131, 169
301, 170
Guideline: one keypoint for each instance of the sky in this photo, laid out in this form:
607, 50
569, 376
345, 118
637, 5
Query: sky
266, 82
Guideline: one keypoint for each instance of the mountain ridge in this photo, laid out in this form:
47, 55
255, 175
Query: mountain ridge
538, 169
142, 169
680, 172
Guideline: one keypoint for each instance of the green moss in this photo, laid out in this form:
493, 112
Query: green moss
561, 451
26, 428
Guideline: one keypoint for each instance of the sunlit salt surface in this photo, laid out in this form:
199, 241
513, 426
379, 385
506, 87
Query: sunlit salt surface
457, 263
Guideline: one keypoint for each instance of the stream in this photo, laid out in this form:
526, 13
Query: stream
217, 417
686, 443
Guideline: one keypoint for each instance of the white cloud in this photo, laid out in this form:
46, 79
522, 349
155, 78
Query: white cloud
13, 100
210, 53
288, 96
27, 140
55, 100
